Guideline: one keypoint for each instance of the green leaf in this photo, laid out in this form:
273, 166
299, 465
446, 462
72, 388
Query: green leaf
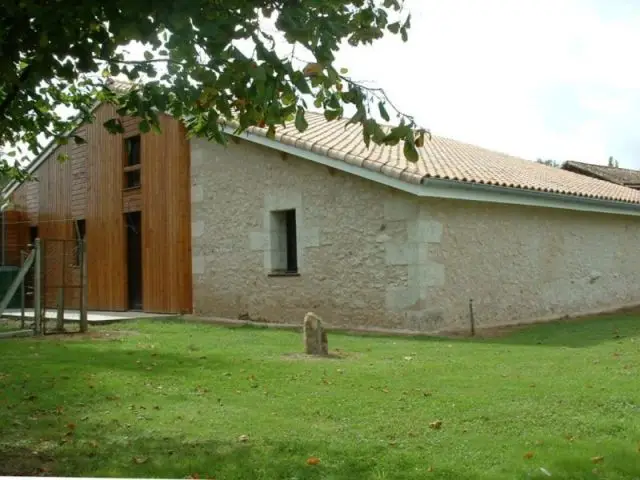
358, 117
344, 71
79, 140
259, 73
331, 114
301, 122
378, 133
144, 126
300, 82
394, 27
148, 55
410, 151
113, 125
383, 111
403, 34
407, 22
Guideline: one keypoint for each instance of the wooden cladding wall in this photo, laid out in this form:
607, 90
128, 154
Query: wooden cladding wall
56, 227
107, 272
16, 236
90, 187
26, 200
166, 220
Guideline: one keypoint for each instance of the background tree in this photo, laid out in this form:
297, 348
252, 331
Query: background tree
613, 162
205, 61
549, 162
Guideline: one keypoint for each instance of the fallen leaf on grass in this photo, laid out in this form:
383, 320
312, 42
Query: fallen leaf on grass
71, 426
528, 455
313, 461
598, 459
243, 438
430, 469
436, 425
93, 443
139, 460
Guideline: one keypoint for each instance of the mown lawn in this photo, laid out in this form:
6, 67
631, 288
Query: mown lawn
170, 399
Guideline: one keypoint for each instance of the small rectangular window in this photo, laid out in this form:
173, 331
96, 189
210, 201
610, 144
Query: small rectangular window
132, 150
132, 179
78, 235
284, 242
132, 162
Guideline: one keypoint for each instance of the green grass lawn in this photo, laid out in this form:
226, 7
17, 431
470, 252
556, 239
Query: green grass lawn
170, 399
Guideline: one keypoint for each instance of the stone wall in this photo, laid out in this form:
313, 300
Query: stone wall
370, 256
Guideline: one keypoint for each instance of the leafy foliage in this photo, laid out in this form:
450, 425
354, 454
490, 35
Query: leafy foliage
58, 59
549, 162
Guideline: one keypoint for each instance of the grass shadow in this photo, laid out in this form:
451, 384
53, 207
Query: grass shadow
176, 457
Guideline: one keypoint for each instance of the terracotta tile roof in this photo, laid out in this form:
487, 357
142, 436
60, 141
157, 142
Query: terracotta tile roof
622, 176
443, 158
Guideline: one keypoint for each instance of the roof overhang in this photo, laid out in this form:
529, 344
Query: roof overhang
454, 190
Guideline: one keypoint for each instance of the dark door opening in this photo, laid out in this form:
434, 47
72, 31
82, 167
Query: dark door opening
33, 234
133, 225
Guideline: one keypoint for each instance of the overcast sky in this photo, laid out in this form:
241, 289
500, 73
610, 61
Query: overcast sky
552, 78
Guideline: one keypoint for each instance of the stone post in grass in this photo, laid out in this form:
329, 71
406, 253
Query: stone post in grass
315, 337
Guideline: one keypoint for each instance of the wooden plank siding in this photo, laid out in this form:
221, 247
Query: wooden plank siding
55, 225
16, 236
166, 220
90, 187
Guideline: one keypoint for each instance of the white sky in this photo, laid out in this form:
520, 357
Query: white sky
552, 78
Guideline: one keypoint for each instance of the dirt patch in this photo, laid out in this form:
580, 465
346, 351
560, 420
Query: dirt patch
94, 333
486, 332
90, 335
24, 462
335, 355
